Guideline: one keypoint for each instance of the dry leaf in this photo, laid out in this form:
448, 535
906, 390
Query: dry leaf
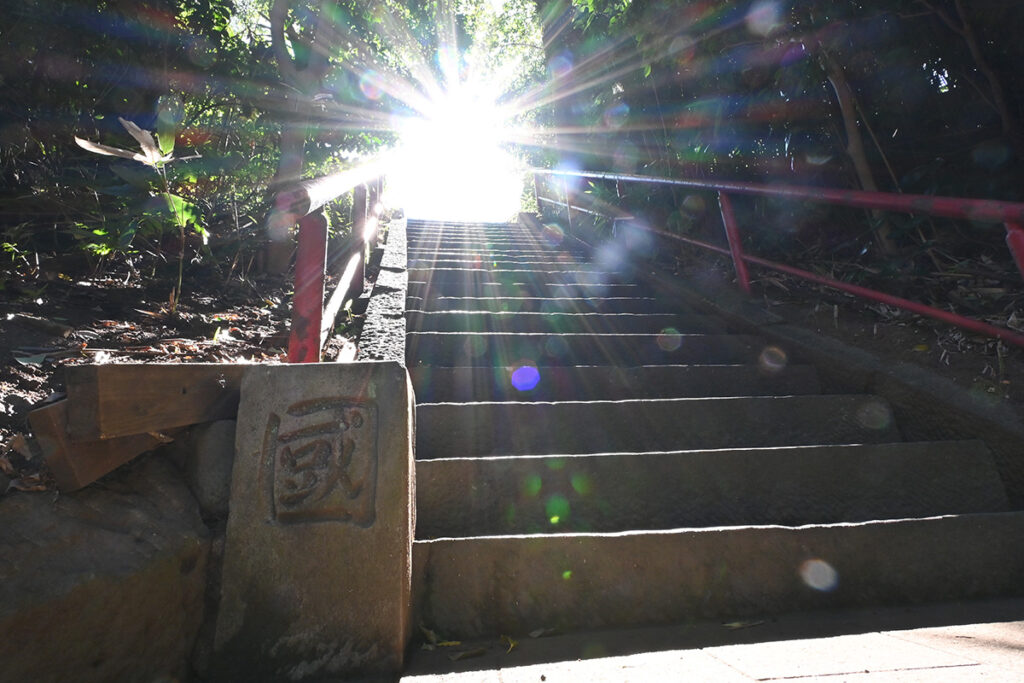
735, 625
510, 642
541, 632
468, 654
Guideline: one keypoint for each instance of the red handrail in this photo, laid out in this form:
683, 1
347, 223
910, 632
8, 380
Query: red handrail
1011, 214
303, 204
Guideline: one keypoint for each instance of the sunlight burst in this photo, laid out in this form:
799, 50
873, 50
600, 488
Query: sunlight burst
451, 164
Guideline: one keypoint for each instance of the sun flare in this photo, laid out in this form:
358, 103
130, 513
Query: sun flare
451, 162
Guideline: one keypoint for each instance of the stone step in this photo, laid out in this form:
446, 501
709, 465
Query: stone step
496, 254
446, 430
420, 288
607, 323
637, 304
487, 586
602, 382
499, 349
509, 244
471, 276
622, 491
488, 264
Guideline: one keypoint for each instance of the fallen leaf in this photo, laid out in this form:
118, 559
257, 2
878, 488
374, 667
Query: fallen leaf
29, 483
735, 625
511, 642
541, 632
429, 635
468, 654
449, 643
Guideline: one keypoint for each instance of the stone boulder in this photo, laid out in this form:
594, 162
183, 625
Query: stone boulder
103, 584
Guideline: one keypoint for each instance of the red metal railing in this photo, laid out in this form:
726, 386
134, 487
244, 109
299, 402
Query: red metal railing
1010, 214
303, 204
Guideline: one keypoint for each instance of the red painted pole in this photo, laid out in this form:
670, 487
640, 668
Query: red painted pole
732, 233
308, 301
1015, 241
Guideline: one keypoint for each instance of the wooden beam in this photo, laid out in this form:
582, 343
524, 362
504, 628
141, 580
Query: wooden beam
110, 401
75, 464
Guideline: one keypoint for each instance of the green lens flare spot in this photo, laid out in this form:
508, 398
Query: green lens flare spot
567, 574
581, 483
557, 508
532, 485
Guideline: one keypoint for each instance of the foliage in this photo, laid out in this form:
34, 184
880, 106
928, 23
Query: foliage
902, 95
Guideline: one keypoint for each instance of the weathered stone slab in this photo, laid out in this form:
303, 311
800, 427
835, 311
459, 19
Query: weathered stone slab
316, 578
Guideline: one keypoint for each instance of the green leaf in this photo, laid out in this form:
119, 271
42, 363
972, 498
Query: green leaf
170, 114
182, 211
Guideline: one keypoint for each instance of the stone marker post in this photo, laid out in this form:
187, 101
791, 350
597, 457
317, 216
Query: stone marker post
316, 579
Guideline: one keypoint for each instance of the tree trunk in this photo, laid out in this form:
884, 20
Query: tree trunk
855, 148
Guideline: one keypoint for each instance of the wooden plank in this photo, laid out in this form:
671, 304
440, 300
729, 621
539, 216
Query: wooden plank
75, 464
110, 401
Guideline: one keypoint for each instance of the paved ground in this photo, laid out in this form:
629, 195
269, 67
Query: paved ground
948, 642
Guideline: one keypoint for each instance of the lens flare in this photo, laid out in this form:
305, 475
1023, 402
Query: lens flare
553, 235
525, 378
368, 86
532, 485
772, 360
874, 414
557, 508
669, 339
764, 18
581, 483
819, 575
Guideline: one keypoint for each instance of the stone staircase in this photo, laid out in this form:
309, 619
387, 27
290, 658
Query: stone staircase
590, 456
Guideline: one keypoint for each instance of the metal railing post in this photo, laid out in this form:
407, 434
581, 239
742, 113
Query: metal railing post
732, 234
358, 234
308, 301
568, 204
1015, 241
536, 194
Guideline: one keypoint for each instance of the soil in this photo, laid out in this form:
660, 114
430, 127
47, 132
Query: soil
51, 320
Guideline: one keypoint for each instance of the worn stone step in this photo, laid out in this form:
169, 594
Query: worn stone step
487, 321
637, 304
421, 288
623, 491
487, 586
484, 264
542, 276
499, 349
603, 382
509, 244
447, 430
535, 254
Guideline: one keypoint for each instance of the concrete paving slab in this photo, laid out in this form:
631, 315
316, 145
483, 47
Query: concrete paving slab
680, 666
980, 635
841, 655
998, 644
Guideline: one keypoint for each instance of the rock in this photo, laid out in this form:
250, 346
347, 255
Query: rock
105, 583
211, 452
